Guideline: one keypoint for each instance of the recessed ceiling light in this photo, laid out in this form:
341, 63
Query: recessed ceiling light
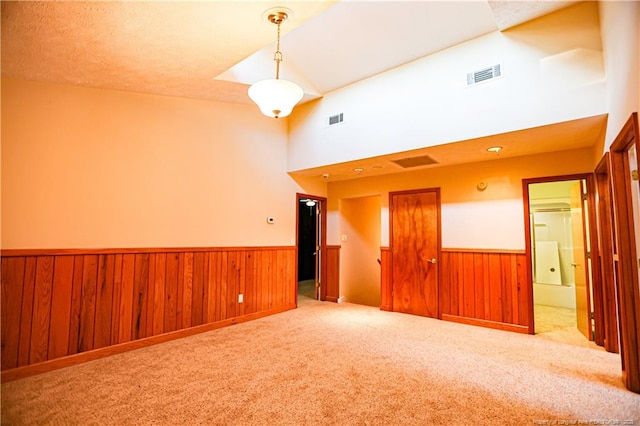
495, 149
358, 170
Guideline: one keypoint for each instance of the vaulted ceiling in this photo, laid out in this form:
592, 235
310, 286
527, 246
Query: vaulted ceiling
215, 49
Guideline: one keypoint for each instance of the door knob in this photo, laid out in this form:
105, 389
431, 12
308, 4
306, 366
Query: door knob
432, 260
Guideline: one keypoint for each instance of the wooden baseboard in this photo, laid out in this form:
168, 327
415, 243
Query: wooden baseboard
331, 299
386, 308
485, 323
68, 361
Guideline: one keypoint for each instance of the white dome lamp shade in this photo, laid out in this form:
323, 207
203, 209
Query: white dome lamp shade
276, 98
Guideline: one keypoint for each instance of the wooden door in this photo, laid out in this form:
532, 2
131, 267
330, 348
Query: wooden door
415, 246
627, 262
580, 261
606, 255
318, 254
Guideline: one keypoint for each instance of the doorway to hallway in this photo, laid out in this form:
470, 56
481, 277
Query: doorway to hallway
310, 244
360, 234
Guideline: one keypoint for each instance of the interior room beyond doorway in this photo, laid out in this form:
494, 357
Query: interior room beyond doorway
559, 270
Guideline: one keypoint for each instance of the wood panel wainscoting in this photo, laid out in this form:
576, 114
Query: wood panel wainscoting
485, 288
332, 275
481, 287
62, 307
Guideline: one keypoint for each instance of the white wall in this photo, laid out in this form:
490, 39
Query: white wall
101, 168
553, 72
489, 219
620, 22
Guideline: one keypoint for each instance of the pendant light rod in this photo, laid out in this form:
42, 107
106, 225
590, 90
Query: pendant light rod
278, 18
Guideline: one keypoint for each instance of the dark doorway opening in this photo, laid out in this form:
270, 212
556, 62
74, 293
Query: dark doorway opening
310, 245
307, 213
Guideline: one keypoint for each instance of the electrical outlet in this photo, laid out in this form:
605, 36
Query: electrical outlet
240, 298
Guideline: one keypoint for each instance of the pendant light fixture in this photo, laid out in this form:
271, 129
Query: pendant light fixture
276, 98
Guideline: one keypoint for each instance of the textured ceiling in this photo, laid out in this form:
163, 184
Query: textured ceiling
178, 48
167, 48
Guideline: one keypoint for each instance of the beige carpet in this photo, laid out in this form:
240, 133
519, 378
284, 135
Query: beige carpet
335, 364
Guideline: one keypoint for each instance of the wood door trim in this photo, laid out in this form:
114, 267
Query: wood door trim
545, 179
596, 274
386, 300
593, 237
607, 265
627, 272
323, 238
582, 282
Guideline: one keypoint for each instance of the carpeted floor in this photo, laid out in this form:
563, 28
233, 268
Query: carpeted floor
335, 364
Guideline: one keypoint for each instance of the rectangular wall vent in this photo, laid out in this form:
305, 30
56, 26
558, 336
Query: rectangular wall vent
423, 160
335, 119
485, 74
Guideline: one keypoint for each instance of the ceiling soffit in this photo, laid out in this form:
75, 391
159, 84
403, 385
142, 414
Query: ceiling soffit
574, 134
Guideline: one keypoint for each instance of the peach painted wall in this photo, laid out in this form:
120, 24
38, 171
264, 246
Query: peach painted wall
553, 71
360, 250
98, 168
620, 22
491, 219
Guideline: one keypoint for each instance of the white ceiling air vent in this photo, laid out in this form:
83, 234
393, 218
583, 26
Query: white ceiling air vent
484, 74
335, 119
